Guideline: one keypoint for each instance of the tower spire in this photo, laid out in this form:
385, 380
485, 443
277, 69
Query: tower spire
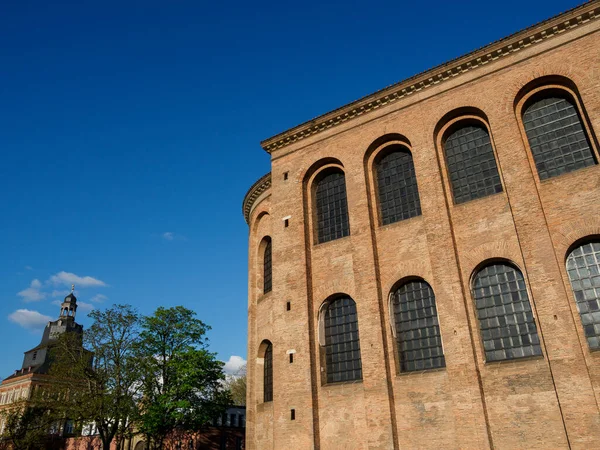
69, 305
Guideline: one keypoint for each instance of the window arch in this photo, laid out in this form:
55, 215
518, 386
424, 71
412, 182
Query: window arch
505, 317
471, 163
417, 329
397, 185
558, 141
268, 373
342, 343
331, 205
583, 267
267, 267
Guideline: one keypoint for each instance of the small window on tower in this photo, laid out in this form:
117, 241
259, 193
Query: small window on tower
34, 356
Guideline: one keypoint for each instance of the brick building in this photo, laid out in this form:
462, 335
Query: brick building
424, 263
37, 361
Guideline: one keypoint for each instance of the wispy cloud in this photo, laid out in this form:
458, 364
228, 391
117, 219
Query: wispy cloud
28, 268
98, 298
33, 293
85, 307
172, 236
233, 366
32, 320
68, 278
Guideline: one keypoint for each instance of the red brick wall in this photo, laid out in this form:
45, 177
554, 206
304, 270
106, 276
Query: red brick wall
549, 402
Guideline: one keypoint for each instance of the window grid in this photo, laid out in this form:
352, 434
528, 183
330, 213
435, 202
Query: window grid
342, 344
267, 268
417, 329
558, 142
583, 266
397, 187
332, 207
471, 164
268, 374
508, 329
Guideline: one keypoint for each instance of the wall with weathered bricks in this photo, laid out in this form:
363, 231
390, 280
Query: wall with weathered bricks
546, 402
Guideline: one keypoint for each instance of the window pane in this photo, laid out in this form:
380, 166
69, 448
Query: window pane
505, 317
471, 164
397, 187
332, 207
557, 139
417, 329
583, 267
267, 268
268, 374
342, 345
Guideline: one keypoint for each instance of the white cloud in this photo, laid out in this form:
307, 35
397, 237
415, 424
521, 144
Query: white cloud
234, 365
28, 268
98, 298
57, 293
85, 307
67, 279
171, 236
33, 292
31, 320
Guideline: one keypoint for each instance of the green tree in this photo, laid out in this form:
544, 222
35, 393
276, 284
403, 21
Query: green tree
236, 384
26, 427
99, 383
182, 381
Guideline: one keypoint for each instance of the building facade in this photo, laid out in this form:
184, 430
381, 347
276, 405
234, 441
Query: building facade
424, 263
33, 374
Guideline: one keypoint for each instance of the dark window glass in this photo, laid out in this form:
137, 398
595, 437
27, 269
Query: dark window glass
268, 374
397, 186
332, 207
505, 317
342, 345
417, 329
471, 164
583, 266
267, 268
558, 142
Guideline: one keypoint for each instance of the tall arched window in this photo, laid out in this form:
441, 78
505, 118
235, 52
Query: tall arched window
471, 164
557, 138
267, 267
417, 328
397, 185
583, 266
507, 326
268, 374
331, 206
342, 344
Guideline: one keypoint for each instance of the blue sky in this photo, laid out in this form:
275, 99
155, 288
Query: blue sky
129, 134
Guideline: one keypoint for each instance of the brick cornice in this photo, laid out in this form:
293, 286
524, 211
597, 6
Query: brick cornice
253, 193
528, 37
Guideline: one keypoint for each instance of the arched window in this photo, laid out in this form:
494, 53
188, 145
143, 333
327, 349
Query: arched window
397, 185
417, 328
471, 163
507, 326
342, 344
267, 267
583, 266
331, 206
268, 374
556, 136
